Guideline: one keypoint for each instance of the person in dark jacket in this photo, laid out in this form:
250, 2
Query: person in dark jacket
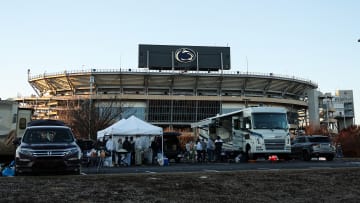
218, 148
127, 147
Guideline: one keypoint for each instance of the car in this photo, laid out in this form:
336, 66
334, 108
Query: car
47, 146
315, 146
172, 147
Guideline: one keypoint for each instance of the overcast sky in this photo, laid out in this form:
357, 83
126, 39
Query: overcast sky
314, 40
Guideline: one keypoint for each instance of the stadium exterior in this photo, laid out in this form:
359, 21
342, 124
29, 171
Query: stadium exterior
174, 86
170, 98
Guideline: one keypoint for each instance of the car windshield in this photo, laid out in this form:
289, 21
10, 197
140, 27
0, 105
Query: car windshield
269, 121
47, 135
319, 139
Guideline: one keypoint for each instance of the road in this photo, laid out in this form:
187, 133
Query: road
217, 167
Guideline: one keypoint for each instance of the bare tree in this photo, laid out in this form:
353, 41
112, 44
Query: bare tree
86, 118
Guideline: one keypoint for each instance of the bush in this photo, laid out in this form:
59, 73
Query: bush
349, 139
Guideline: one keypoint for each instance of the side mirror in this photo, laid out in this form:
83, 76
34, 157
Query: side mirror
17, 141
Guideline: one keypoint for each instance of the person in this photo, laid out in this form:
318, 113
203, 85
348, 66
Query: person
132, 150
156, 148
92, 157
210, 148
127, 147
339, 153
44, 137
199, 150
218, 148
138, 150
190, 151
110, 148
203, 151
119, 151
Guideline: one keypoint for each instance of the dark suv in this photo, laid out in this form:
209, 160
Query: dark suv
307, 147
47, 146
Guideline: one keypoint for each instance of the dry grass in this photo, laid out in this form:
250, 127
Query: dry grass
323, 185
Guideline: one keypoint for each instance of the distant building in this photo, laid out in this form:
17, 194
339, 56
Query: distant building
336, 111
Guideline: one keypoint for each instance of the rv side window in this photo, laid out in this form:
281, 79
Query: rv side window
212, 130
22, 123
247, 123
236, 124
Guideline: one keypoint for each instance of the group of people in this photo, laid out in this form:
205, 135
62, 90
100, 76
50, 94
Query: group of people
129, 150
205, 150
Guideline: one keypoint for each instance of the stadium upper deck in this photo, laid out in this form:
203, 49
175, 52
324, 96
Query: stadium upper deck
176, 97
157, 82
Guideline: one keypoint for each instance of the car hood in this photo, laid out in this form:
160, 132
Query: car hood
48, 146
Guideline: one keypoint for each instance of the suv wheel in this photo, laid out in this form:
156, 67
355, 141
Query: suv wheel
329, 158
306, 156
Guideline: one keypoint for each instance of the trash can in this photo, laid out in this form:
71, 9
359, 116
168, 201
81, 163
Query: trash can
166, 161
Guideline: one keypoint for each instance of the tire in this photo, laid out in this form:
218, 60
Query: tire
17, 172
306, 156
329, 158
77, 171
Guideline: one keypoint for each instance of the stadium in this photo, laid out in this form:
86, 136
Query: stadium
173, 87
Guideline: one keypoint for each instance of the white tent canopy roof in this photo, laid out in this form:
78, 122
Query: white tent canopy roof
108, 130
129, 127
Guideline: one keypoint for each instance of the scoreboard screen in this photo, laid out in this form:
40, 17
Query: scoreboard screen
177, 57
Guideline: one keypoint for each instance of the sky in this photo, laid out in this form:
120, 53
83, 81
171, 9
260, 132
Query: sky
313, 40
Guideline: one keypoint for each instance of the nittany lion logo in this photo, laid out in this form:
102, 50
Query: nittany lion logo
185, 55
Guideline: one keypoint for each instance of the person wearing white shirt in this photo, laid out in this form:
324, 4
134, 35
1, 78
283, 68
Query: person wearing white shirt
110, 147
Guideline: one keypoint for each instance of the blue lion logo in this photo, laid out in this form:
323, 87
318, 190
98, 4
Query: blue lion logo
185, 55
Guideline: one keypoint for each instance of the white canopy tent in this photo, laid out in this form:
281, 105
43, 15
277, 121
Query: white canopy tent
136, 126
131, 127
108, 130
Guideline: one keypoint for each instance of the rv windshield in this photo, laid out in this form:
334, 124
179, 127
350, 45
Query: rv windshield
269, 121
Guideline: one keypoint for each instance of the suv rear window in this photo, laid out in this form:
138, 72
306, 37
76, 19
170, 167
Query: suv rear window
48, 135
319, 139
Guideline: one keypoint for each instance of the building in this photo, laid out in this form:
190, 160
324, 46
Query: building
337, 111
181, 91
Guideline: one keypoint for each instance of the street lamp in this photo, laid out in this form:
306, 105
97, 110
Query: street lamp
90, 104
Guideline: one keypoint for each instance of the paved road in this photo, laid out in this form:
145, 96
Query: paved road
217, 167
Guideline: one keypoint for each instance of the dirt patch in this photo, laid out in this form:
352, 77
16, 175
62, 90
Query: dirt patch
321, 185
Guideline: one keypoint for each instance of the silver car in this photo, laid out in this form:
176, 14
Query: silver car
307, 147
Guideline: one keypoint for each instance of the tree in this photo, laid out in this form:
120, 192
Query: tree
349, 139
86, 118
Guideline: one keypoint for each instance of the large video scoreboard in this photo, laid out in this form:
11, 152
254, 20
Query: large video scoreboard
177, 57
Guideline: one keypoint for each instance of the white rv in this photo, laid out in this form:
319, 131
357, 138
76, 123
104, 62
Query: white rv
254, 131
13, 121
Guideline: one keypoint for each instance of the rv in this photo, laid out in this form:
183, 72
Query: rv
252, 132
13, 121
